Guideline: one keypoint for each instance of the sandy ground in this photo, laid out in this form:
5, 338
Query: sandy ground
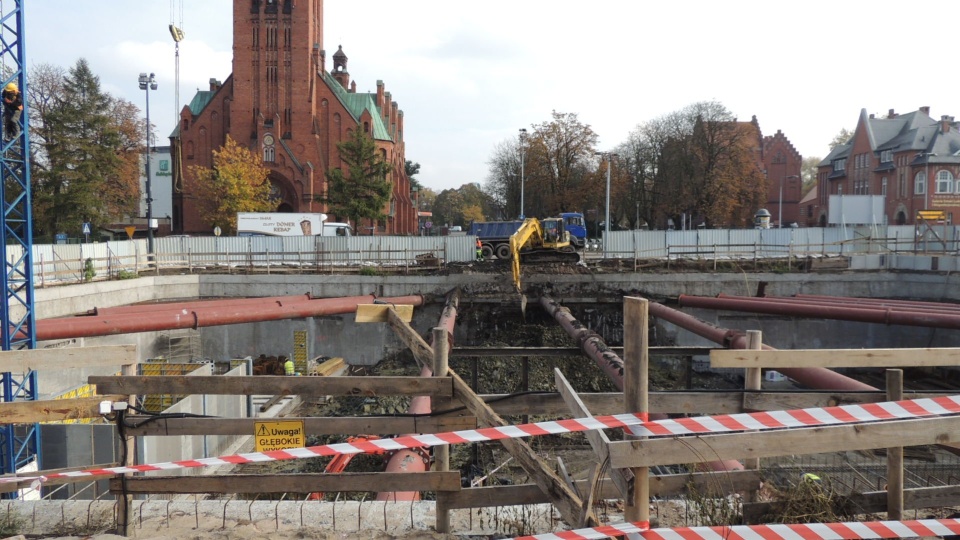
247, 520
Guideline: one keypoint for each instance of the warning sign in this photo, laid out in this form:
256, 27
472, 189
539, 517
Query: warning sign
932, 215
278, 435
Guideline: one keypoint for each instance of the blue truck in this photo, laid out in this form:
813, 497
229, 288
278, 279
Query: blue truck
495, 235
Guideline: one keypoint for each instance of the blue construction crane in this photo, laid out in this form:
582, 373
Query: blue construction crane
20, 444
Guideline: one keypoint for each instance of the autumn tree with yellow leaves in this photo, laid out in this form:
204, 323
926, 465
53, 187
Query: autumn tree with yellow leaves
238, 182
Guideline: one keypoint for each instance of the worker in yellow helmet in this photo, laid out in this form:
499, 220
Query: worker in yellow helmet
289, 368
811, 478
12, 108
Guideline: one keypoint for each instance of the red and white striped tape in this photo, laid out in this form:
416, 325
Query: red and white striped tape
804, 531
845, 414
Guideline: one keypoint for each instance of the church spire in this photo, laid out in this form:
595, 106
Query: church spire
340, 72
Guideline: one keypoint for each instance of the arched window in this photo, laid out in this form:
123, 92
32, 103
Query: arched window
944, 182
920, 183
366, 127
189, 149
883, 186
269, 154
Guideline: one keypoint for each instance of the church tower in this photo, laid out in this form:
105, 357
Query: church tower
281, 103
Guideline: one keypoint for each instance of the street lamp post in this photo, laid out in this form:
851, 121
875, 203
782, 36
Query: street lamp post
147, 84
606, 219
780, 211
523, 147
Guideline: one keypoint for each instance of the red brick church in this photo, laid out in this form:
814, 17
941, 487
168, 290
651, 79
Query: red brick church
282, 103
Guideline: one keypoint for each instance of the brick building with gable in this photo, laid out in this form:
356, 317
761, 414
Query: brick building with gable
910, 159
282, 104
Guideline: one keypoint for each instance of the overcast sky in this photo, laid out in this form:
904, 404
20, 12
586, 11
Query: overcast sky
468, 75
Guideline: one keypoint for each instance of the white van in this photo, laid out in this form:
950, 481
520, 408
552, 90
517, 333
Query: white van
333, 228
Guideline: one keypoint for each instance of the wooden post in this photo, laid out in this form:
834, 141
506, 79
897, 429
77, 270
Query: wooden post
895, 454
125, 510
752, 380
525, 382
635, 394
441, 454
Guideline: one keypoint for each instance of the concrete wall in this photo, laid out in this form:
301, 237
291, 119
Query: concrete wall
161, 449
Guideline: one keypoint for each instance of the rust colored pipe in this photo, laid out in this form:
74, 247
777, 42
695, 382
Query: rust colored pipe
611, 364
198, 304
879, 316
887, 302
411, 460
820, 378
918, 307
50, 329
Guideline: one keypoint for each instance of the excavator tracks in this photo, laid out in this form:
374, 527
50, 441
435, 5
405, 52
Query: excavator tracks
549, 256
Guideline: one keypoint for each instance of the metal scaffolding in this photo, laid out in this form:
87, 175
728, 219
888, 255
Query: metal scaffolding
20, 445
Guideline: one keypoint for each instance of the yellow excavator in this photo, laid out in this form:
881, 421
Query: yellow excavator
543, 241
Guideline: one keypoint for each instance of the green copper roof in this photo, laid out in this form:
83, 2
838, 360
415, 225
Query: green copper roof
197, 105
356, 103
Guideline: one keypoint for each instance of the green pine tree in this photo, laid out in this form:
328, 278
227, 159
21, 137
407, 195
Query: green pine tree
363, 191
84, 158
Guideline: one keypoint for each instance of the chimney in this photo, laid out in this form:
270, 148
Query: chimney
380, 94
945, 122
891, 114
353, 87
871, 116
925, 110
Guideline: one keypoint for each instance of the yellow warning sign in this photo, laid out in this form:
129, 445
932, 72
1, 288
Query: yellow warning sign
278, 435
932, 215
130, 230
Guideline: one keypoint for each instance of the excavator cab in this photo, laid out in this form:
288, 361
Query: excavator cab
540, 240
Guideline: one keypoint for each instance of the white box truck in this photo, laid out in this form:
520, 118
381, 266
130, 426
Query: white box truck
284, 224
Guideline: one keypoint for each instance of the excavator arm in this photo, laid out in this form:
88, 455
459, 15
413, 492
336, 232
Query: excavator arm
529, 233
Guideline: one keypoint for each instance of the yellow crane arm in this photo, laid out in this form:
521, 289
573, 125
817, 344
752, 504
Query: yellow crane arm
530, 231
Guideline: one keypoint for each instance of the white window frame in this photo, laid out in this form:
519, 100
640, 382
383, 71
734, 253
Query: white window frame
944, 182
883, 186
920, 183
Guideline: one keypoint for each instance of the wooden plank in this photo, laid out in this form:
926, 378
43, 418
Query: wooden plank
367, 313
291, 483
894, 383
53, 410
346, 425
660, 486
672, 485
699, 449
553, 352
521, 494
420, 349
562, 497
275, 384
834, 358
636, 379
752, 383
68, 358
872, 502
597, 438
330, 367
603, 403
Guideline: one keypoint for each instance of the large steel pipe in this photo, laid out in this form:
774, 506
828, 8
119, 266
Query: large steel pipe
611, 363
878, 316
820, 378
51, 329
884, 301
918, 307
411, 460
198, 304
